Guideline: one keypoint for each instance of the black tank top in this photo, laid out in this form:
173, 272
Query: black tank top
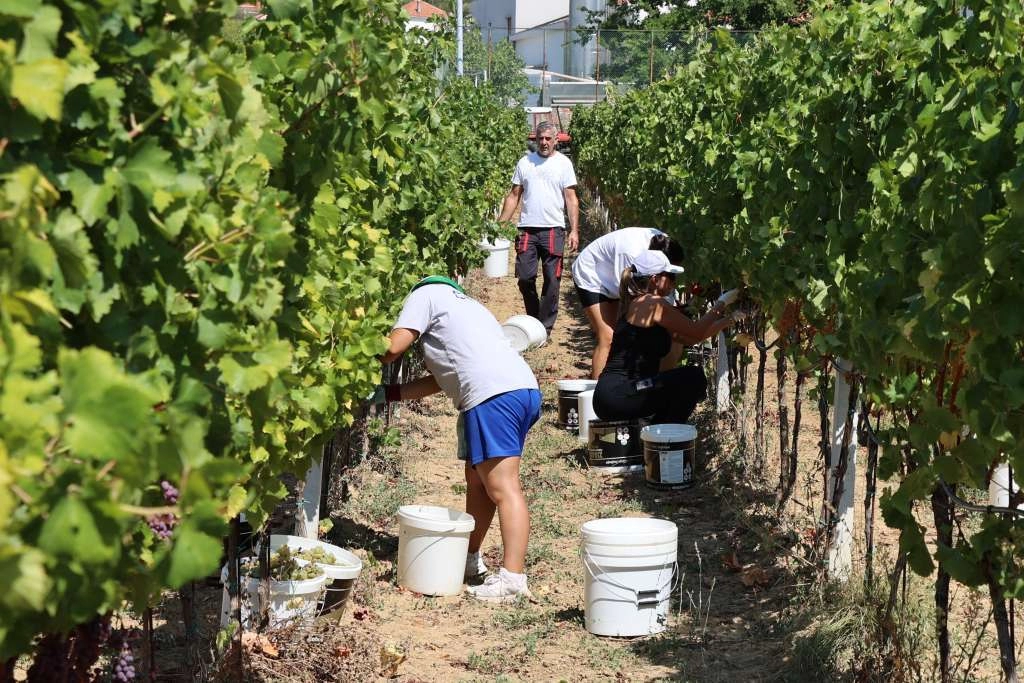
637, 351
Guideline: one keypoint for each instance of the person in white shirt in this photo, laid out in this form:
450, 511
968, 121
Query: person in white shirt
546, 183
498, 401
596, 274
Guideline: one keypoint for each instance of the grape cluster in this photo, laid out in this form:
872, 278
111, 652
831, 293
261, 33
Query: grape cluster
162, 525
124, 667
170, 493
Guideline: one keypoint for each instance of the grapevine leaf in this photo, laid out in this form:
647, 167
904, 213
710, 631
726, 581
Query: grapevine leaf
90, 199
960, 567
193, 556
23, 574
79, 532
40, 35
39, 87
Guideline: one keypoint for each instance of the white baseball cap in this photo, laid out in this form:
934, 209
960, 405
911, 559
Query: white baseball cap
652, 262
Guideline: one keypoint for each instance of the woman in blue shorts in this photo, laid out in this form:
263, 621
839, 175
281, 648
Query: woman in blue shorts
498, 401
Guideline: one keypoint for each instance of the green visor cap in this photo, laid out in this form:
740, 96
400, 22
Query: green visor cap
438, 280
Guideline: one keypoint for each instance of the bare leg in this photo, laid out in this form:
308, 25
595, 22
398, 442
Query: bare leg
500, 477
480, 506
602, 317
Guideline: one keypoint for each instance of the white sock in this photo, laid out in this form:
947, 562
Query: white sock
517, 579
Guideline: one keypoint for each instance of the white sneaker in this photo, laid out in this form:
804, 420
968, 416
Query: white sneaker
501, 587
474, 565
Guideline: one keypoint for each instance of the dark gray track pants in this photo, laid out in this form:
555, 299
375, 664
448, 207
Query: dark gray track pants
543, 246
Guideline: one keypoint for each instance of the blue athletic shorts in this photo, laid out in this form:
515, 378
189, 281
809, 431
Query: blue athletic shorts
497, 427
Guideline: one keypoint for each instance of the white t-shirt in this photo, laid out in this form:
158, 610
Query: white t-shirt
463, 346
544, 180
599, 266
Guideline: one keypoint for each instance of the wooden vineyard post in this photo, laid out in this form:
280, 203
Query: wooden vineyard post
842, 478
722, 376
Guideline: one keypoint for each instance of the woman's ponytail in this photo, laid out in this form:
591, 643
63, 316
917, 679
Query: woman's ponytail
631, 285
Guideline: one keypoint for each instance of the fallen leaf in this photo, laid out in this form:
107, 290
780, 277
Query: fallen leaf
342, 651
257, 641
360, 613
391, 656
732, 562
754, 577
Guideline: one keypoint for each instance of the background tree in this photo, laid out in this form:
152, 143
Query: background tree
644, 40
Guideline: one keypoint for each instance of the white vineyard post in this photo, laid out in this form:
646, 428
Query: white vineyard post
722, 376
307, 521
840, 552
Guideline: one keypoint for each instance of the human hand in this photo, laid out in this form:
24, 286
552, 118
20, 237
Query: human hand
572, 240
728, 298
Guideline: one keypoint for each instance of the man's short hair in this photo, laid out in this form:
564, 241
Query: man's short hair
546, 125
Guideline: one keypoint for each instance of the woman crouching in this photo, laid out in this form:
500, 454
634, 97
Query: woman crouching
630, 386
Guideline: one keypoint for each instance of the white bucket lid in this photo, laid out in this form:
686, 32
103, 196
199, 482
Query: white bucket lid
633, 531
576, 384
668, 433
436, 518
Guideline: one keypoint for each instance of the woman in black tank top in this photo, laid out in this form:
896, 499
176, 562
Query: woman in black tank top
630, 385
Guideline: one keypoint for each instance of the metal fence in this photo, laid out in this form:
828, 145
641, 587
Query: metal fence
626, 56
572, 66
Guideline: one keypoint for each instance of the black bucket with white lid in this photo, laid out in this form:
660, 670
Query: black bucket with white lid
568, 401
669, 451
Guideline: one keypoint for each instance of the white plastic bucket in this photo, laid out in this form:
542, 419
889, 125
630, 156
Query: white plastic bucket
524, 332
629, 574
432, 546
340, 575
669, 451
496, 263
568, 405
585, 406
1000, 488
289, 600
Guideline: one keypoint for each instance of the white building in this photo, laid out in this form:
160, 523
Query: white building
545, 38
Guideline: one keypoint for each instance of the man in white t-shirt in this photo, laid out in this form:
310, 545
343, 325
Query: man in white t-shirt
546, 183
596, 274
498, 401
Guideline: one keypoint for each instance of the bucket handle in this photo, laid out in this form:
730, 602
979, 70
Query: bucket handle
673, 580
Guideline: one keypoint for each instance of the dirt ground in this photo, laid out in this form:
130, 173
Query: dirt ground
747, 606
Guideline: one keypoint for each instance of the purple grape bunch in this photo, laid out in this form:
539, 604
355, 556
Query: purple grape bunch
124, 666
162, 525
170, 493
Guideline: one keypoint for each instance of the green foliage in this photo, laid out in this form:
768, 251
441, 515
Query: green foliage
496, 62
203, 241
867, 165
642, 41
